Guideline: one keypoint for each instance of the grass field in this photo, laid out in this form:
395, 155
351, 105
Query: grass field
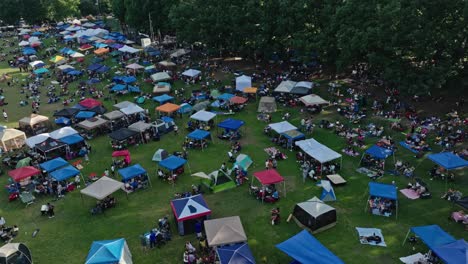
67, 237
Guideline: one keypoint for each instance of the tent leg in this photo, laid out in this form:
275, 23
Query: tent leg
284, 188
406, 237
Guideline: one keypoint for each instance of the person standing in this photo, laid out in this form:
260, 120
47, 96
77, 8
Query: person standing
5, 115
113, 170
198, 229
50, 210
152, 239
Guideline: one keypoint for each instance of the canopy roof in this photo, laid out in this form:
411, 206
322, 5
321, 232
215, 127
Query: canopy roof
84, 114
243, 82
238, 100
231, 124
293, 135
131, 172
67, 112
163, 98
34, 140
191, 73
313, 99
448, 160
65, 173
223, 231
179, 52
90, 103
50, 144
12, 138
23, 173
250, 90
92, 123
63, 132
383, 190
432, 235
123, 104
122, 134
72, 139
54, 164
128, 49
243, 161
134, 66
315, 207
132, 109
203, 116
453, 253
294, 87
306, 249
189, 208
318, 151
109, 251
282, 127
266, 177
98, 109
235, 254
199, 134
116, 114
379, 152
102, 188
160, 76
172, 162
139, 126
168, 108
225, 96
167, 63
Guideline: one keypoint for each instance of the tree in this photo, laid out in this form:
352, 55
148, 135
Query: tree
9, 11
59, 9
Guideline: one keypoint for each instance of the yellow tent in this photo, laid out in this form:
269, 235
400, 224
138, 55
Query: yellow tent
101, 51
11, 138
56, 59
250, 90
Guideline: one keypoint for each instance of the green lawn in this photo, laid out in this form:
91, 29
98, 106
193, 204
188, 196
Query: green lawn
67, 237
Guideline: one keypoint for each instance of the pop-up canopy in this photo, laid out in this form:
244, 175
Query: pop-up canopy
231, 124
172, 163
65, 173
23, 173
224, 231
131, 172
282, 127
102, 188
267, 177
453, 253
191, 73
203, 116
317, 151
448, 160
189, 208
53, 164
199, 134
237, 253
243, 82
387, 191
109, 251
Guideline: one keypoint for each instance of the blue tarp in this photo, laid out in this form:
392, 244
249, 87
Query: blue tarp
305, 249
163, 98
199, 134
448, 160
432, 235
225, 96
231, 124
72, 139
52, 165
118, 87
106, 251
63, 121
94, 67
74, 72
65, 173
235, 254
453, 253
29, 51
103, 69
379, 152
93, 81
388, 191
172, 163
129, 79
85, 114
131, 172
133, 89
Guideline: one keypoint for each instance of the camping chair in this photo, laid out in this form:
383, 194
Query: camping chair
27, 198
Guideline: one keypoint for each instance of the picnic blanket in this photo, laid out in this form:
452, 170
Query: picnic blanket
366, 232
408, 147
366, 171
271, 151
410, 194
415, 258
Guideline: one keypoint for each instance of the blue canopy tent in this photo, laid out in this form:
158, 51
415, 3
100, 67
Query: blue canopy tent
188, 209
75, 73
235, 254
63, 121
131, 172
103, 69
53, 164
292, 136
162, 99
185, 108
72, 139
173, 163
65, 173
29, 51
93, 81
109, 251
453, 253
231, 124
118, 88
432, 235
85, 114
378, 153
94, 67
41, 71
306, 249
133, 89
225, 97
382, 190
129, 79
200, 135
448, 160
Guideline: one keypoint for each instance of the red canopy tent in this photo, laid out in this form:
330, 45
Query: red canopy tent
267, 177
90, 103
122, 153
23, 173
238, 100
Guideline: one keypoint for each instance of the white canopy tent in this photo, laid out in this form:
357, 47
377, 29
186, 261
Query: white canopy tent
191, 73
132, 109
243, 82
203, 116
77, 55
313, 99
179, 52
23, 43
123, 104
11, 138
63, 132
102, 188
37, 139
35, 63
282, 127
139, 126
223, 231
160, 76
318, 151
128, 49
294, 87
167, 63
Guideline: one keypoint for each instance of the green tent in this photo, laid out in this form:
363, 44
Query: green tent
218, 181
23, 163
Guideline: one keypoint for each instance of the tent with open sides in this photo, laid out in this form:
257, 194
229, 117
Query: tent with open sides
282, 127
203, 116
453, 253
53, 164
51, 148
191, 73
63, 132
90, 103
432, 235
294, 87
102, 188
172, 163
448, 160
30, 122
109, 251
65, 173
235, 254
160, 77
123, 134
314, 215
224, 231
267, 177
11, 138
382, 191
306, 249
167, 108
313, 99
187, 211
292, 136
379, 153
23, 173
231, 124
243, 82
318, 151
131, 172
328, 194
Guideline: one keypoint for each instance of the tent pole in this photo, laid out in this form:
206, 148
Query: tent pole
284, 187
406, 237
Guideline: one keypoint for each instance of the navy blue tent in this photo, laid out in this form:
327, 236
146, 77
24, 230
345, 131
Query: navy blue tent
103, 69
131, 172
379, 152
129, 79
85, 114
72, 139
432, 235
172, 163
305, 249
199, 134
94, 67
163, 98
53, 164
93, 81
235, 254
65, 173
231, 124
453, 253
74, 73
388, 191
133, 89
448, 160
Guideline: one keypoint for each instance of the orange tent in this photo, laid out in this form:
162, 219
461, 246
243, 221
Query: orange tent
168, 108
251, 90
101, 51
238, 100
